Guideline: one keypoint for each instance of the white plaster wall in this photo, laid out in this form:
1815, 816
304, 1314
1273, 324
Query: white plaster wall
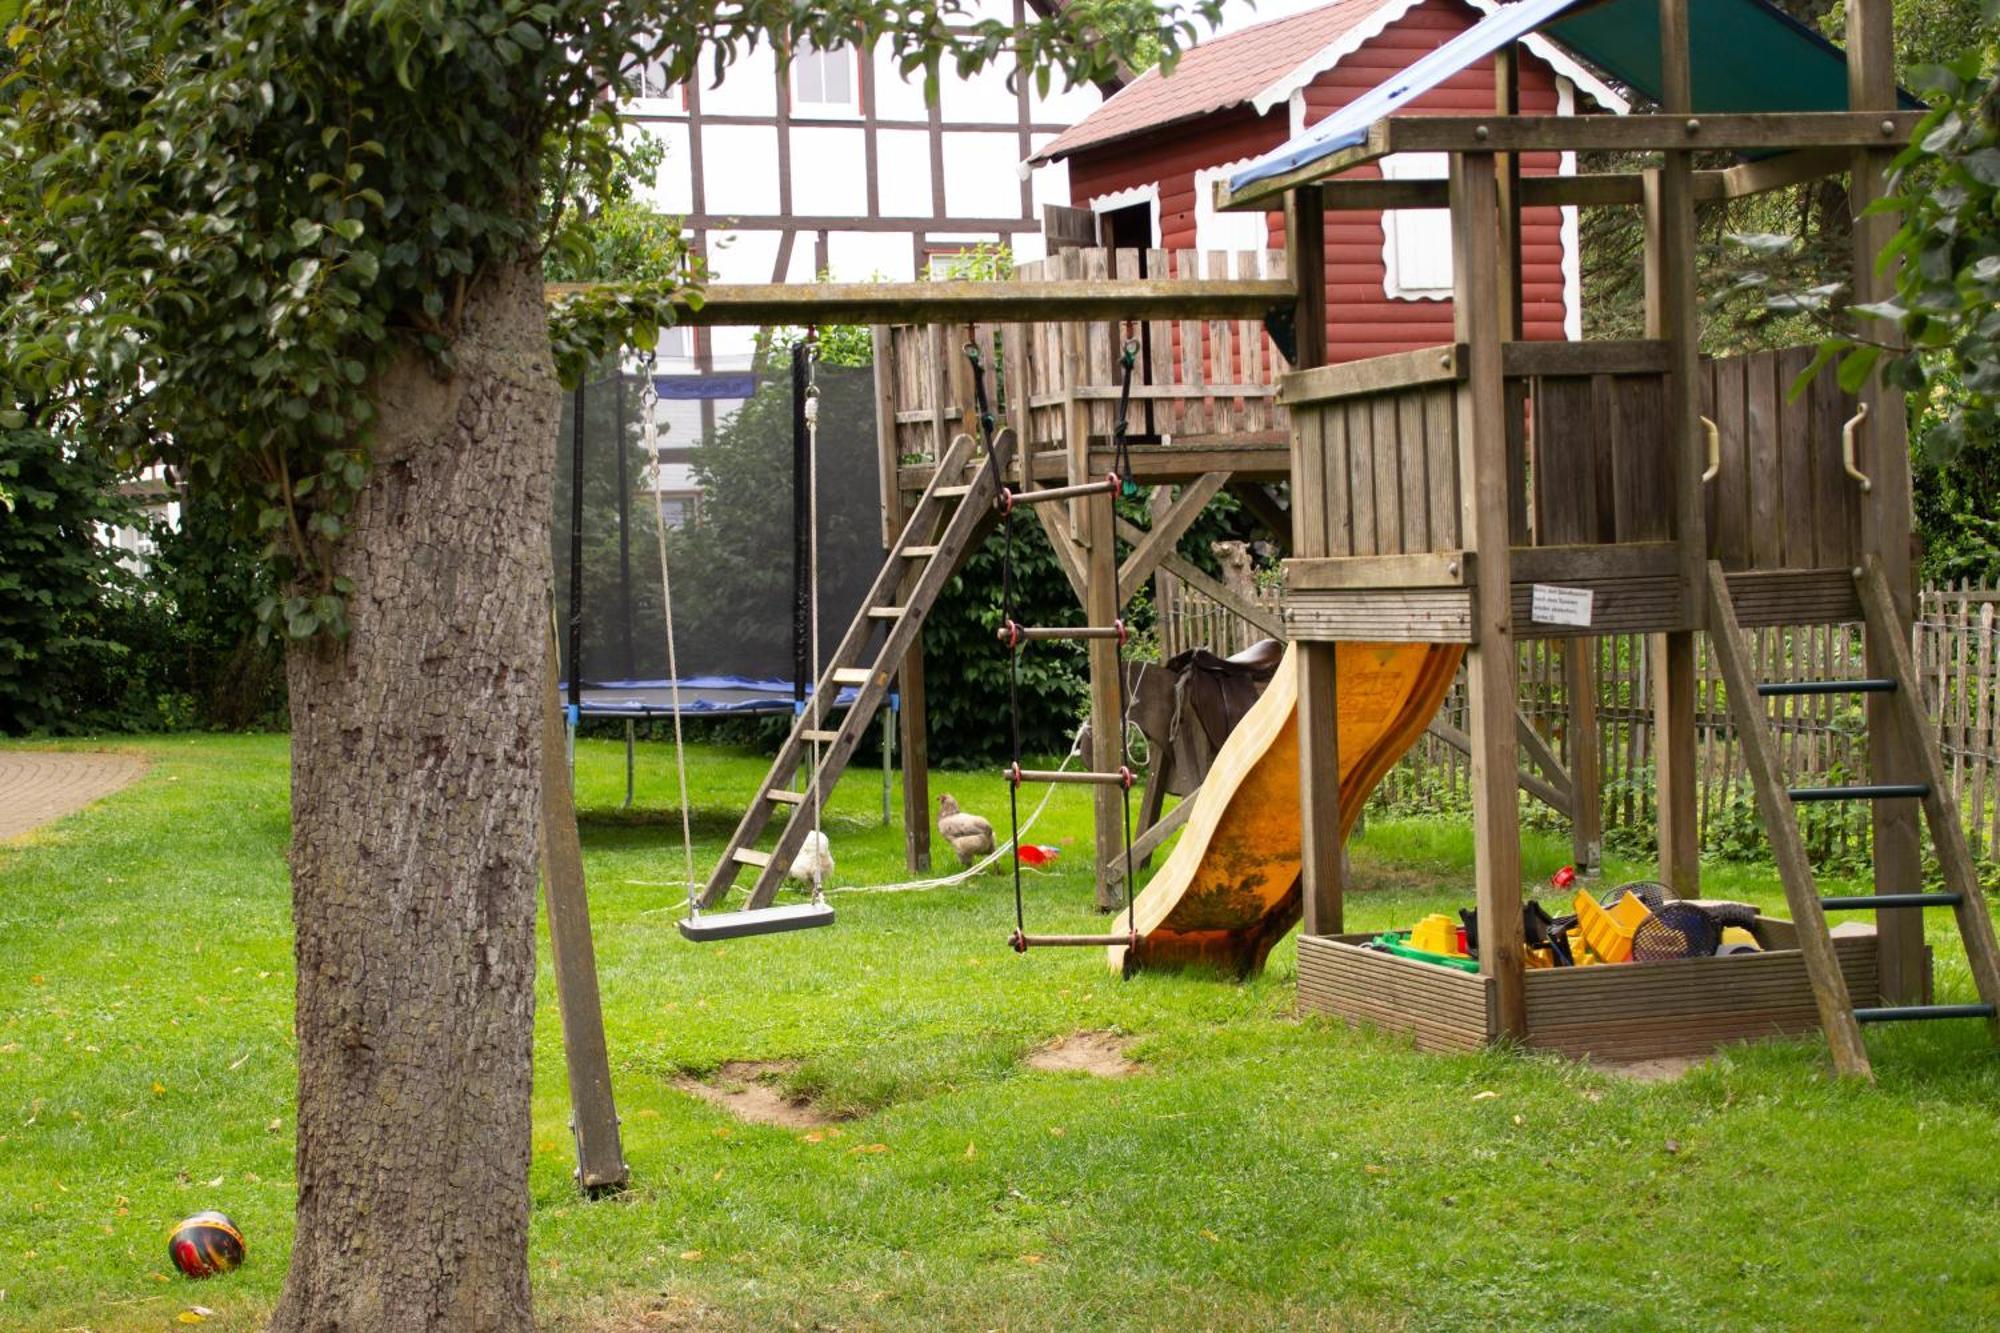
858, 256
981, 175
903, 179
742, 168
829, 171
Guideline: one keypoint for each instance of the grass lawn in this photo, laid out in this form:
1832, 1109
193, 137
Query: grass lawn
1258, 1172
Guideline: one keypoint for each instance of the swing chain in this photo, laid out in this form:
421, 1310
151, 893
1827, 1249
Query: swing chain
986, 419
1121, 427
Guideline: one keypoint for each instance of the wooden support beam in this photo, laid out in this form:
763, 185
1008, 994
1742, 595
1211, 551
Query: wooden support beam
888, 459
1062, 540
1166, 533
1585, 780
600, 1159
1600, 189
1423, 569
1543, 756
1192, 574
1265, 509
1667, 131
1673, 313
1154, 837
789, 303
1107, 726
914, 735
1887, 519
1533, 784
1445, 364
1490, 662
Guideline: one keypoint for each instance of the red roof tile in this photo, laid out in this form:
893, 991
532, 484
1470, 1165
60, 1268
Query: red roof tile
1217, 74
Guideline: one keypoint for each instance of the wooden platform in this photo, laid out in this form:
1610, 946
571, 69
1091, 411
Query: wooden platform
1627, 1012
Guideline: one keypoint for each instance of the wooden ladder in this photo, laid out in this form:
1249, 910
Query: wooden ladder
948, 519
1777, 803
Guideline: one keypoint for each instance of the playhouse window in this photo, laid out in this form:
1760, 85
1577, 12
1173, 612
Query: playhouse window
1416, 242
822, 78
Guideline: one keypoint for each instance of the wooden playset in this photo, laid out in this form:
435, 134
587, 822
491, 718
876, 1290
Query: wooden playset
1445, 504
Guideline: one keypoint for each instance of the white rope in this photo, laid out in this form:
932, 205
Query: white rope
649, 433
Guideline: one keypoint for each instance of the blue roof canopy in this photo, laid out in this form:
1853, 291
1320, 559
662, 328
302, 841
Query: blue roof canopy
1746, 55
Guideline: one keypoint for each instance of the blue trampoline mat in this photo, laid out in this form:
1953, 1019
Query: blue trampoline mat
699, 696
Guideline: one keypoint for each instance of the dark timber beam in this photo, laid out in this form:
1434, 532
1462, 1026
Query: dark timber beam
781, 303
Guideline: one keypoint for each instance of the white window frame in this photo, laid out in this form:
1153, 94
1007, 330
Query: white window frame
808, 60
1413, 228
1148, 193
1213, 230
671, 102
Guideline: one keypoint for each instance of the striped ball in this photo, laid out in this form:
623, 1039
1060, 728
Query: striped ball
205, 1245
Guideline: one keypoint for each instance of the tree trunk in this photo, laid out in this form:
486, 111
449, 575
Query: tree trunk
415, 778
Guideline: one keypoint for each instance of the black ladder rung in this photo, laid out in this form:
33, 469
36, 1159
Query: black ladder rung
1868, 901
1123, 777
1919, 1013
1012, 633
1867, 685
1864, 791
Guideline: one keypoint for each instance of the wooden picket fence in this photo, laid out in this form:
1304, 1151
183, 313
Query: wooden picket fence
1956, 640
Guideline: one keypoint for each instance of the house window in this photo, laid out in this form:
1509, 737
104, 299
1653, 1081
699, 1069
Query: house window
679, 511
822, 78
1416, 242
651, 85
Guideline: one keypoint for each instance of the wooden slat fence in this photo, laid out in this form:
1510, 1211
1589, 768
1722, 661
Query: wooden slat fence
1820, 737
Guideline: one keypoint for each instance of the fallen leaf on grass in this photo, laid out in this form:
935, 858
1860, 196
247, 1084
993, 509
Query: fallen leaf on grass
691, 1256
1375, 1170
1483, 1096
868, 1148
646, 1113
815, 1137
1057, 1131
1031, 1259
239, 1060
970, 1152
215, 1184
1520, 1120
1210, 1236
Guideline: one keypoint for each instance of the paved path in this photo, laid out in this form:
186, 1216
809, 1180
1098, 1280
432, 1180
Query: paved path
37, 786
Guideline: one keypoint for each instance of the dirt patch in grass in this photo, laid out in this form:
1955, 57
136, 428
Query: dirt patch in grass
750, 1091
1660, 1069
1099, 1053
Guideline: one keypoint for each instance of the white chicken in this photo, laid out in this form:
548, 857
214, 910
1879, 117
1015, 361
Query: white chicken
814, 863
969, 835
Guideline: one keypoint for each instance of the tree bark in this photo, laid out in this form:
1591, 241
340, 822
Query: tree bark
415, 778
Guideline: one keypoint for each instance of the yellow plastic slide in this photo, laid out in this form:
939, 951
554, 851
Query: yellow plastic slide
1230, 890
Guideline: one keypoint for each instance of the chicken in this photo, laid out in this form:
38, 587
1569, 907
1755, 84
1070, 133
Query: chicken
969, 835
814, 863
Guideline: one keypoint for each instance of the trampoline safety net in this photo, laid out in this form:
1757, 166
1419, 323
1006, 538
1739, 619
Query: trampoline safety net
731, 492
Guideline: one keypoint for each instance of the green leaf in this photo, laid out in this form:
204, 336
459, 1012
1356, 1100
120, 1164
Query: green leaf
1856, 367
306, 232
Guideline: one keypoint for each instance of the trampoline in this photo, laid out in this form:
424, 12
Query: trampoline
733, 512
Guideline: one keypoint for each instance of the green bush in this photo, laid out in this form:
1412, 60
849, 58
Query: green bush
63, 591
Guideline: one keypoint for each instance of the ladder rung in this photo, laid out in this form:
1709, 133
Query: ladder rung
1011, 633
1122, 778
886, 612
1010, 498
816, 734
750, 857
785, 796
1867, 901
1865, 791
919, 552
1869, 685
852, 675
952, 492
1917, 1013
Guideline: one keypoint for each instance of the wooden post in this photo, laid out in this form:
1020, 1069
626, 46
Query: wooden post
1106, 726
887, 455
1490, 665
600, 1161
1322, 865
1887, 522
1585, 781
1673, 314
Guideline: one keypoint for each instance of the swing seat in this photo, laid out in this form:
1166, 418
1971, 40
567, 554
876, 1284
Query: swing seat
714, 926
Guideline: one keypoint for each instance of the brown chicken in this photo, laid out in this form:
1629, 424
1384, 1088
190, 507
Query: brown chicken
969, 835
